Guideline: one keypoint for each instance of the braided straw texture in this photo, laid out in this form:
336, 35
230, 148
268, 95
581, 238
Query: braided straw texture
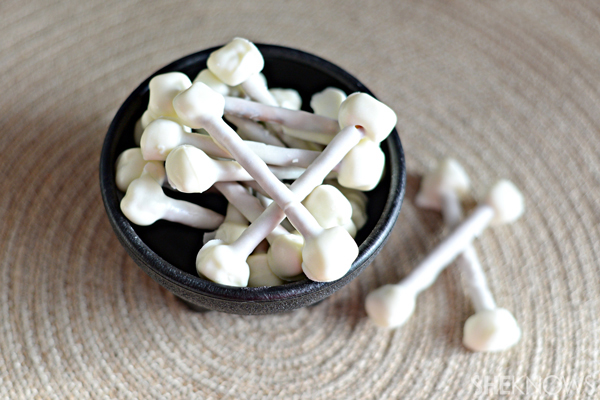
509, 88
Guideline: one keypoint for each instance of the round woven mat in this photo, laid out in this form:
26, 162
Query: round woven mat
511, 89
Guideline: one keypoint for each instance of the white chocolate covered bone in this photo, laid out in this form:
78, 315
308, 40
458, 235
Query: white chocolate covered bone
190, 170
239, 62
145, 203
391, 305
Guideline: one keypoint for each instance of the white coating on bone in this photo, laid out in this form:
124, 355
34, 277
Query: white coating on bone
390, 306
236, 61
222, 264
361, 109
285, 256
287, 98
208, 78
250, 130
329, 206
362, 168
328, 256
327, 102
130, 165
295, 119
507, 201
316, 137
260, 273
491, 331
163, 89
255, 87
468, 261
248, 205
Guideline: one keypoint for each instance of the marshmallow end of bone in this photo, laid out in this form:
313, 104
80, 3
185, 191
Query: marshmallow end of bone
362, 167
236, 61
329, 255
327, 103
287, 98
190, 170
491, 330
222, 264
159, 138
390, 306
141, 204
260, 273
329, 206
198, 104
360, 109
129, 166
285, 256
449, 176
507, 201
163, 88
212, 81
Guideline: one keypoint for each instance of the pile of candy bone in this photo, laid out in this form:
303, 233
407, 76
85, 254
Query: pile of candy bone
325, 216
490, 328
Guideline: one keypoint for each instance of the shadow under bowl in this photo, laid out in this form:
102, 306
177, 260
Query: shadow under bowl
167, 251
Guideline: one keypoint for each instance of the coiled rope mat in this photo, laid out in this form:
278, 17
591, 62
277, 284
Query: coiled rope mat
511, 89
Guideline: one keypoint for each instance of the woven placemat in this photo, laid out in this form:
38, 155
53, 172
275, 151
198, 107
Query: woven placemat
511, 89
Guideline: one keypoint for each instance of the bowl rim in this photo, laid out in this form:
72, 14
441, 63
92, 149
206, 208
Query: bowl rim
188, 282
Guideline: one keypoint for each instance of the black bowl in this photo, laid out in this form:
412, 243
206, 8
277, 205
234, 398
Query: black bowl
167, 251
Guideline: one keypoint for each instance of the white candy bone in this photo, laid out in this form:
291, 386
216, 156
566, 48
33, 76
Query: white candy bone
239, 62
190, 170
328, 253
145, 203
130, 165
391, 305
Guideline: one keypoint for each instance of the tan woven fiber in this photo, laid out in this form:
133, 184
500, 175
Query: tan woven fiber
509, 88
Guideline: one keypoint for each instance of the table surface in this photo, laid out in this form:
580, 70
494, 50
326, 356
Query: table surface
511, 89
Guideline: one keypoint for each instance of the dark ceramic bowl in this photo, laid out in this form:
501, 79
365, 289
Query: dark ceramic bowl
167, 251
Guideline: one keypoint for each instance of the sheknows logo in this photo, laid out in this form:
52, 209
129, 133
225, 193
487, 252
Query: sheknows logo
523, 385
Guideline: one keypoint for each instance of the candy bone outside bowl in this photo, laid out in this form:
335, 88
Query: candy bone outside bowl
166, 251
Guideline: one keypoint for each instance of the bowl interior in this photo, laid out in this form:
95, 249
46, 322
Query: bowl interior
168, 250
